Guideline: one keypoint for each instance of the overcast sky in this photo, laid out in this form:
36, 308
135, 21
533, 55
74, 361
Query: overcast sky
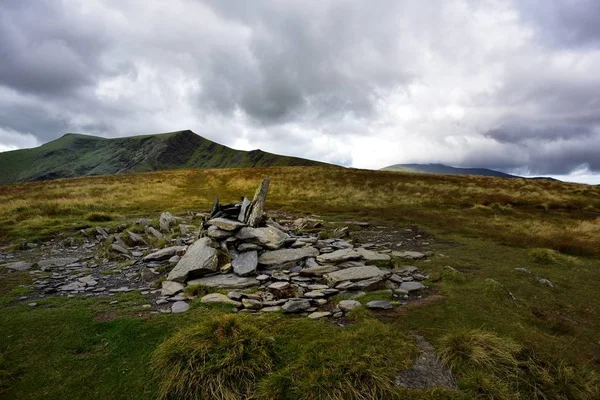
513, 86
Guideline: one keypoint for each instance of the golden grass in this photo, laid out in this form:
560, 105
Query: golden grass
561, 216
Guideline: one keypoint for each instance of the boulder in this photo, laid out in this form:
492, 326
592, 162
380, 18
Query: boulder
286, 256
164, 254
268, 237
218, 298
226, 224
228, 281
245, 263
339, 256
200, 259
354, 274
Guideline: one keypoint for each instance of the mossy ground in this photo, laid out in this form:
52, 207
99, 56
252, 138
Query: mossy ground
87, 348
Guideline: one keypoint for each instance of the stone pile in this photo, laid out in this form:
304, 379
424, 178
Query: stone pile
240, 247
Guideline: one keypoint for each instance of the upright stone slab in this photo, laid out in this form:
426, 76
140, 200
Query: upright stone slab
244, 210
258, 203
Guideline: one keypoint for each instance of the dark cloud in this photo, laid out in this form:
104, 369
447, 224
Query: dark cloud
506, 85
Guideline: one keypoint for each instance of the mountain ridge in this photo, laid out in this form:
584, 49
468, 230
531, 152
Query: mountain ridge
75, 154
436, 168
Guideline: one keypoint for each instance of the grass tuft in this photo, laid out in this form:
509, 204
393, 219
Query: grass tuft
222, 358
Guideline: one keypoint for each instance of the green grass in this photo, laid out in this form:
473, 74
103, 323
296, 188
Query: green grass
484, 228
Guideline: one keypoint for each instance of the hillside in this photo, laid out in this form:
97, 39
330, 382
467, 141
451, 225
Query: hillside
75, 155
446, 170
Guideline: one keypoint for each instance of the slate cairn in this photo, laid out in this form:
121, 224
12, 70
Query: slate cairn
240, 247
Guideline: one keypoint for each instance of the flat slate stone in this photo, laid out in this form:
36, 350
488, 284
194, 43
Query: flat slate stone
285, 256
347, 305
170, 288
165, 253
226, 224
216, 233
56, 262
379, 305
295, 306
19, 265
200, 259
72, 287
339, 256
228, 281
220, 299
318, 270
409, 255
245, 263
268, 237
411, 286
179, 307
354, 274
319, 314
372, 256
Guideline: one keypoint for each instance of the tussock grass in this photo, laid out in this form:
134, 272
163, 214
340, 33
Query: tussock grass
493, 367
220, 359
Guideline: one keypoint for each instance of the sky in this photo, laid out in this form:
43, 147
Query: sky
501, 84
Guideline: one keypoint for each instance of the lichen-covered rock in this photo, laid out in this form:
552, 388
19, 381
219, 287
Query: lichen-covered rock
200, 259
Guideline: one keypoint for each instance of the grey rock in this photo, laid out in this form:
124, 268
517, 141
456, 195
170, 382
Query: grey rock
319, 270
347, 305
226, 224
379, 305
88, 280
218, 234
152, 231
319, 314
354, 274
244, 210
165, 221
122, 289
119, 249
315, 294
545, 282
170, 288
237, 296
248, 246
286, 256
19, 265
164, 254
102, 232
339, 256
245, 263
372, 256
258, 203
411, 286
271, 309
295, 306
175, 259
32, 304
279, 286
408, 255
267, 237
317, 287
396, 279
375, 283
252, 304
199, 259
50, 263
263, 278
228, 281
135, 238
72, 287
218, 298
179, 307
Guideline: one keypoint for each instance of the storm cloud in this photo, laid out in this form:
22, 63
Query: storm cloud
499, 84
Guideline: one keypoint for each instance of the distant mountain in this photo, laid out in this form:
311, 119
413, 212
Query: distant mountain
75, 155
447, 170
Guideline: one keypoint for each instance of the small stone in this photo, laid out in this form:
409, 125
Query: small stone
179, 307
214, 298
146, 306
114, 302
119, 248
314, 295
19, 265
271, 309
411, 286
409, 255
279, 286
263, 278
245, 263
32, 304
174, 259
237, 296
295, 305
545, 282
319, 314
347, 305
170, 288
160, 302
226, 224
252, 304
339, 256
379, 305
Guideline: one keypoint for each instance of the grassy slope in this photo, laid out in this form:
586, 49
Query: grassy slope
488, 227
80, 155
